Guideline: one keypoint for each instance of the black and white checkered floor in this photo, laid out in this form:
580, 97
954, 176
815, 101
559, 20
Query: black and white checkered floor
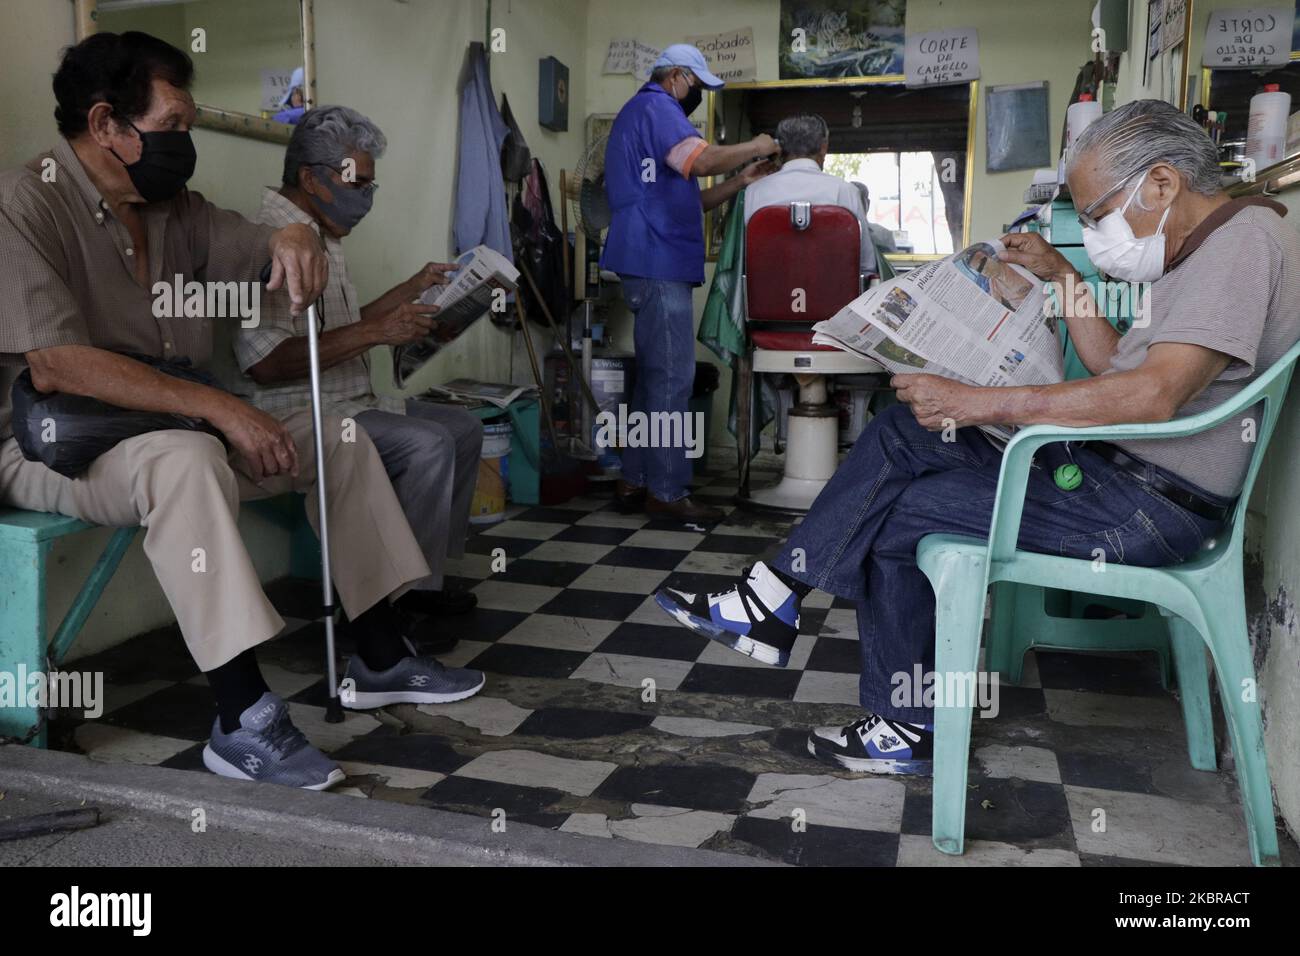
600, 716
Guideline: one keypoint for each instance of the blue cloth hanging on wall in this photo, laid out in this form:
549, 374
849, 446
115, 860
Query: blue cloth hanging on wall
481, 216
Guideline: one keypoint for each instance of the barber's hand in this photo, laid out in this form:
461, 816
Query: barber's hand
434, 273
764, 145
1031, 250
262, 441
298, 263
406, 323
937, 402
756, 171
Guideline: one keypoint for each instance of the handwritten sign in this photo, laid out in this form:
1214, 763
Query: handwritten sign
631, 56
730, 55
1175, 25
275, 83
942, 57
1248, 38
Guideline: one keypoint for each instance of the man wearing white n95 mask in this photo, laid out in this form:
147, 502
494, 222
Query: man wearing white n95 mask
1224, 306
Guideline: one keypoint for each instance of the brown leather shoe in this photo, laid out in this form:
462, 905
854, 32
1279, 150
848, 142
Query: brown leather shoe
629, 498
684, 509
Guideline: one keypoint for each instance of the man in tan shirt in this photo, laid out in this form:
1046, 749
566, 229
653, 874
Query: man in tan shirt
85, 233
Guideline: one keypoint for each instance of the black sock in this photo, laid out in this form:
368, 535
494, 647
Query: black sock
800, 589
378, 636
237, 685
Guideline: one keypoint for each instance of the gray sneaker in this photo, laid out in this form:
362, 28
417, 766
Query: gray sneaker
412, 680
268, 748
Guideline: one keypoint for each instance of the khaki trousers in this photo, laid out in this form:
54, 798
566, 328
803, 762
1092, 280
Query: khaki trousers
184, 490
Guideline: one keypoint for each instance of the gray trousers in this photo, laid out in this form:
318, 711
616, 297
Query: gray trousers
432, 455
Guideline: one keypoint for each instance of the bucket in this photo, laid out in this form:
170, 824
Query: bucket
489, 503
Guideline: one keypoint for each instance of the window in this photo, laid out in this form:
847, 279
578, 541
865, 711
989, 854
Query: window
905, 196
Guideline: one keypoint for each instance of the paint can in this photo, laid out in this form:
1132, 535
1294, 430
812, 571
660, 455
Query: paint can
489, 503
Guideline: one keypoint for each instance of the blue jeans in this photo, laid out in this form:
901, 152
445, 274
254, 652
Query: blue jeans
664, 333
901, 482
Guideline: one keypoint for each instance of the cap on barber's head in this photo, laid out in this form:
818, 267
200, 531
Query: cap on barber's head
295, 82
683, 54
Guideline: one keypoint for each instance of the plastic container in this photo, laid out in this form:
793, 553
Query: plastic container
1078, 117
489, 503
1266, 129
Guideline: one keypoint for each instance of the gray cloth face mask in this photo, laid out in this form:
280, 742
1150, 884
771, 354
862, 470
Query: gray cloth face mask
348, 207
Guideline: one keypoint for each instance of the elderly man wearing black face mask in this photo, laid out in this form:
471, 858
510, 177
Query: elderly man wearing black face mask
431, 451
88, 233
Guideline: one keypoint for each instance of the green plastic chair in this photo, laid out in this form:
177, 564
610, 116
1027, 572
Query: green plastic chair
1203, 601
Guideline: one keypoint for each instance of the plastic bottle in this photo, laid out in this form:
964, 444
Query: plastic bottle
1266, 129
1078, 116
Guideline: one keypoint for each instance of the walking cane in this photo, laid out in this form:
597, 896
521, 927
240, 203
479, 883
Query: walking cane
333, 707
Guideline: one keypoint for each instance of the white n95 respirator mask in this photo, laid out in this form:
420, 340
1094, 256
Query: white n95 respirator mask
1116, 251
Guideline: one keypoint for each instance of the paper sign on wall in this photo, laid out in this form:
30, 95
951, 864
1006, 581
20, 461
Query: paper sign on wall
631, 56
941, 57
730, 55
275, 83
1248, 38
1175, 25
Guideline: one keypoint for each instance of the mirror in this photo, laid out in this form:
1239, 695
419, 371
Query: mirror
911, 148
245, 55
1230, 91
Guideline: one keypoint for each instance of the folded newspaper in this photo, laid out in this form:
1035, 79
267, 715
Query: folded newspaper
471, 290
489, 393
969, 316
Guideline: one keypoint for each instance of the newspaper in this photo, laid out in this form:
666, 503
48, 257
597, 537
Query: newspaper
490, 393
470, 292
969, 316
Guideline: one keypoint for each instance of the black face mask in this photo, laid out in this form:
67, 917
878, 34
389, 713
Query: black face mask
694, 96
166, 163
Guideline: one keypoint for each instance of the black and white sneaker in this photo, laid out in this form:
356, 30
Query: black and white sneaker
757, 616
876, 744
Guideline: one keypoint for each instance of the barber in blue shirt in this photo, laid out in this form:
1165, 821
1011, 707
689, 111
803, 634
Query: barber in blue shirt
656, 245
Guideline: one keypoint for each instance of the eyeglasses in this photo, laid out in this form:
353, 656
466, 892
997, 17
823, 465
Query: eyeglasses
367, 188
1086, 218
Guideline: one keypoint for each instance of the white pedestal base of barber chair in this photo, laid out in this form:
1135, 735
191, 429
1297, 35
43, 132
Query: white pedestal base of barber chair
810, 459
812, 452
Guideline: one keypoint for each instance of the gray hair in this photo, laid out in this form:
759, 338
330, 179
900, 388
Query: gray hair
1138, 135
802, 136
661, 73
326, 135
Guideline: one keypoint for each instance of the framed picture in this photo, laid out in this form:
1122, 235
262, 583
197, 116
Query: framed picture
1017, 127
836, 38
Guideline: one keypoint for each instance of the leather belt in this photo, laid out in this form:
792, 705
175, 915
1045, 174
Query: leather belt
1136, 467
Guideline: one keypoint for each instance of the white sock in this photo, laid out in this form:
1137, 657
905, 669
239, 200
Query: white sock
771, 590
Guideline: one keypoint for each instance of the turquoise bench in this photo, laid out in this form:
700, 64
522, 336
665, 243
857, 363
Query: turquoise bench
26, 538
25, 541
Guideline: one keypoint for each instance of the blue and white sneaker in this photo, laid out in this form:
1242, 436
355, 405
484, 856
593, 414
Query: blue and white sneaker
876, 744
412, 680
268, 748
758, 616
